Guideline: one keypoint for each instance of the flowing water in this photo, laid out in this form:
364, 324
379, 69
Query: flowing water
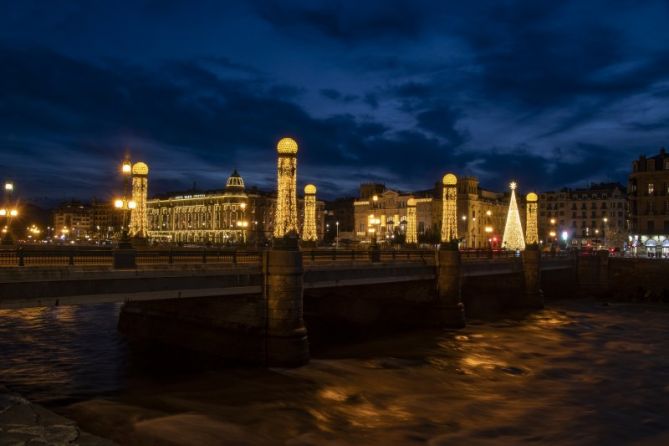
575, 373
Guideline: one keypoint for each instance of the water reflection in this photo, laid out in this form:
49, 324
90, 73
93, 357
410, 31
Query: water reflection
577, 373
61, 353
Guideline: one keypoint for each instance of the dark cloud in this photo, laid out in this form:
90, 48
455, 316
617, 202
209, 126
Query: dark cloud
548, 93
348, 22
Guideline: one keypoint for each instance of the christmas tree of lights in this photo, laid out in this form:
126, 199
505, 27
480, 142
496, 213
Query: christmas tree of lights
513, 230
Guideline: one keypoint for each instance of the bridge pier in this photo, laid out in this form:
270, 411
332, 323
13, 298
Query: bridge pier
449, 284
531, 296
286, 335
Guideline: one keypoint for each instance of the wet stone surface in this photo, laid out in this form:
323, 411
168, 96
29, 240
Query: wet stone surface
24, 423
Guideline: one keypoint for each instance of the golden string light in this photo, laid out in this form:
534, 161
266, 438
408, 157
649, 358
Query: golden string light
449, 218
531, 230
139, 225
411, 233
285, 218
309, 233
513, 230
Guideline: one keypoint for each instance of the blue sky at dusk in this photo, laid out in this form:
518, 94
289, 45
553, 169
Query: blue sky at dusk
549, 93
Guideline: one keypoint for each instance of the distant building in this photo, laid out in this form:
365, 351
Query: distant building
72, 220
481, 214
76, 220
648, 191
230, 216
593, 216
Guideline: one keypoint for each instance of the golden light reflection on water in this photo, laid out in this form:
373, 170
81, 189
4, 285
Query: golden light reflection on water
554, 377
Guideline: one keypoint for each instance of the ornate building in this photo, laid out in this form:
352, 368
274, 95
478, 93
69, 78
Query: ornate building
230, 216
592, 216
648, 191
480, 213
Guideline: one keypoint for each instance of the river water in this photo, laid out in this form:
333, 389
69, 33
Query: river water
579, 372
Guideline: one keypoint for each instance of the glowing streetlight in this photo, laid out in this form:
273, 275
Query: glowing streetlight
9, 186
126, 167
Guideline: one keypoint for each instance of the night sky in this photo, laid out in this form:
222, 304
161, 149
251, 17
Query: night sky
551, 93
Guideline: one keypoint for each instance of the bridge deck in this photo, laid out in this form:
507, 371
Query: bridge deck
31, 286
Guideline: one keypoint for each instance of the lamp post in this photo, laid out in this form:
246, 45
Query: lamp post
606, 231
242, 225
375, 223
337, 236
125, 206
8, 211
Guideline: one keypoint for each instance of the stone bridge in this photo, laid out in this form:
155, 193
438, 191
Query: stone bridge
253, 306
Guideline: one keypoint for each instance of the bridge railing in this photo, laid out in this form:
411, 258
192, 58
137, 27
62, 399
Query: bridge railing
329, 256
83, 255
197, 256
55, 256
94, 256
487, 254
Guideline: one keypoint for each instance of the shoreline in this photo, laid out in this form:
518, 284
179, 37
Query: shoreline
24, 422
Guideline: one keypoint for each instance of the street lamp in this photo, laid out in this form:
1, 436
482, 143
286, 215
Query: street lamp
606, 231
242, 225
373, 222
337, 237
125, 206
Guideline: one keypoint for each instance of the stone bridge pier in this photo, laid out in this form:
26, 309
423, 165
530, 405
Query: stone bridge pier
286, 343
449, 288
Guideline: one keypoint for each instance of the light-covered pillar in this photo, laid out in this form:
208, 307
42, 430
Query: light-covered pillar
285, 218
411, 237
139, 227
309, 232
449, 217
531, 229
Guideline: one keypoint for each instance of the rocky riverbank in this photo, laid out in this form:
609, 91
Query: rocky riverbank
25, 423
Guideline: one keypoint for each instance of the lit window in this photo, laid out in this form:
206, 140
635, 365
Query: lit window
651, 188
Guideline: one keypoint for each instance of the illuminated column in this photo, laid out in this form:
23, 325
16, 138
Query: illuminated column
449, 218
531, 230
309, 233
138, 216
513, 230
411, 234
285, 219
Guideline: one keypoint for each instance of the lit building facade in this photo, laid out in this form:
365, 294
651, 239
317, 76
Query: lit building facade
231, 216
648, 192
98, 220
595, 216
480, 214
